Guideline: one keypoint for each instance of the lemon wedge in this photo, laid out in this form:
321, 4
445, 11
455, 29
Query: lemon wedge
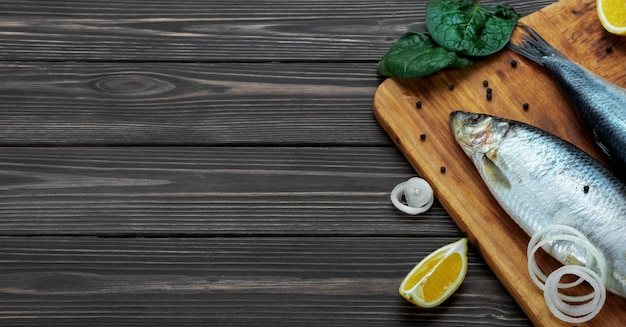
612, 15
437, 276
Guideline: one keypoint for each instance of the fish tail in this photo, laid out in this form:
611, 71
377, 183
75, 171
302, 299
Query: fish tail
534, 47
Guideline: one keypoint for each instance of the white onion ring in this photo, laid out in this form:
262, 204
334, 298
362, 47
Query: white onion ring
589, 304
574, 313
568, 234
418, 195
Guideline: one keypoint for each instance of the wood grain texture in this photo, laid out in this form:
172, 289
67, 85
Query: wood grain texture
240, 31
499, 239
187, 104
305, 281
211, 163
207, 192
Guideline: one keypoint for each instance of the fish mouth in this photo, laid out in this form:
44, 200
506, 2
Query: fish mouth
456, 119
470, 130
458, 125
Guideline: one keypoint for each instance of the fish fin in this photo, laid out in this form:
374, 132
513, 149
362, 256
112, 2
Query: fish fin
572, 260
494, 174
534, 47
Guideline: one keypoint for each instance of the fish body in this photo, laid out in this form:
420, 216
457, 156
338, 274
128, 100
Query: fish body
600, 104
541, 180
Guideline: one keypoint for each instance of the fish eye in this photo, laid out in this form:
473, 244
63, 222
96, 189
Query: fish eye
475, 118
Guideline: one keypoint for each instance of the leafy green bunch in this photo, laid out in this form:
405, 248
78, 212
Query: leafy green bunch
459, 30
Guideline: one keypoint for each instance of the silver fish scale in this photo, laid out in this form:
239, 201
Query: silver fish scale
600, 104
545, 184
548, 188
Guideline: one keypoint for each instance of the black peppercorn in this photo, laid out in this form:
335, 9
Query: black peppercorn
513, 63
422, 137
525, 105
418, 104
485, 83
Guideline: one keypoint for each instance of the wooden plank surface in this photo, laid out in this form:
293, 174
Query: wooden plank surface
187, 104
199, 191
223, 31
569, 25
190, 163
260, 281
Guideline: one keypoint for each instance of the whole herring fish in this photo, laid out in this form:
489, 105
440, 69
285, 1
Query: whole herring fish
600, 104
540, 180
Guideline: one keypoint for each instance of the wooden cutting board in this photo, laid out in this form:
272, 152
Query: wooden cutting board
572, 27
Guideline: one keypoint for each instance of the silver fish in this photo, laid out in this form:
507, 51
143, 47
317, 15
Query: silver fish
540, 180
600, 104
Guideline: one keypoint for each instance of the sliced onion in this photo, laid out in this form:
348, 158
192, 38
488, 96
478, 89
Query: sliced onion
572, 309
567, 233
417, 193
578, 313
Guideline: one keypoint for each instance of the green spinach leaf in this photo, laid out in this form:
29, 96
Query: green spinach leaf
416, 55
468, 28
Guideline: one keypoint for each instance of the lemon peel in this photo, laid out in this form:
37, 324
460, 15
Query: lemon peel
612, 15
437, 276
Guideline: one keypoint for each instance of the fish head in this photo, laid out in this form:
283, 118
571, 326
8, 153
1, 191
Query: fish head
477, 134
480, 135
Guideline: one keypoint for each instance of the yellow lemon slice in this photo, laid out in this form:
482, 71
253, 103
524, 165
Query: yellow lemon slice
612, 14
437, 276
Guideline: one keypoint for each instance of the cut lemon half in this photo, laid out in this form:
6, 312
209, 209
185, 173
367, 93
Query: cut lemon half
437, 276
612, 14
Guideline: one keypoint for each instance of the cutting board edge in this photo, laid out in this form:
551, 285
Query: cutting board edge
538, 315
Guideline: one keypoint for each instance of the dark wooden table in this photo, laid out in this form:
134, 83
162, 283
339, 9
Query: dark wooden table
211, 163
